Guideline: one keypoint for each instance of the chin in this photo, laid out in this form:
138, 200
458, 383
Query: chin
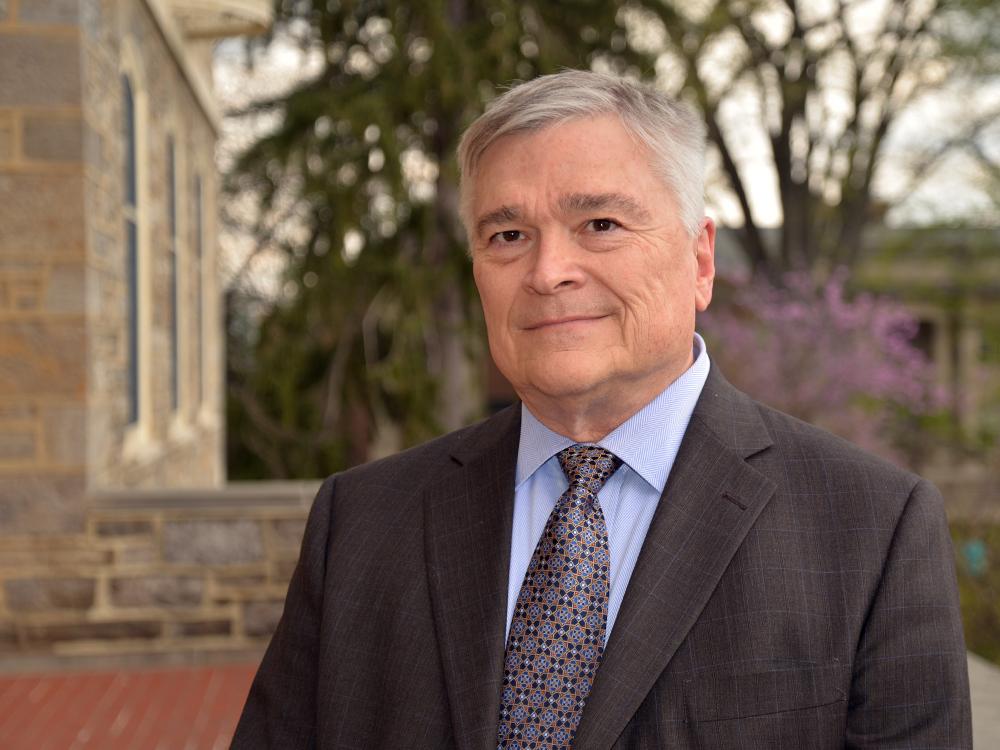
560, 379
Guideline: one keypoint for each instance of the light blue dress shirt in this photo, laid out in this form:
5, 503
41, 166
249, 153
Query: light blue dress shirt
647, 444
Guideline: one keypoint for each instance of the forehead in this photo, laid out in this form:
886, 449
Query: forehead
592, 149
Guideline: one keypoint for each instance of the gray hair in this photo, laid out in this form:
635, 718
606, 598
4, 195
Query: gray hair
673, 133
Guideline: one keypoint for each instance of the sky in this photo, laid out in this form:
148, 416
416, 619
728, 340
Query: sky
952, 192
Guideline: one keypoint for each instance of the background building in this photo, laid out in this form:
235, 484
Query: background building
111, 345
118, 531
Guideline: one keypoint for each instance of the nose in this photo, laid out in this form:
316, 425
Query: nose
555, 264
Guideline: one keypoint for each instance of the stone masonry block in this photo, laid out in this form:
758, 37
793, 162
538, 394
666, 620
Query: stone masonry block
200, 628
281, 571
35, 636
157, 591
261, 618
62, 12
287, 535
53, 138
17, 444
39, 71
23, 294
43, 357
137, 554
237, 588
124, 528
6, 135
64, 292
8, 634
212, 542
249, 581
66, 553
18, 411
41, 214
32, 503
41, 594
66, 435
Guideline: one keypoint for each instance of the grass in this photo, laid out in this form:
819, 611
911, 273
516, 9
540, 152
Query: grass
977, 559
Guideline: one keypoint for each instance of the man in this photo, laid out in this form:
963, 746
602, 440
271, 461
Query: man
637, 555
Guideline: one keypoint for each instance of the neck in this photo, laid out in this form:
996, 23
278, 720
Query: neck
588, 417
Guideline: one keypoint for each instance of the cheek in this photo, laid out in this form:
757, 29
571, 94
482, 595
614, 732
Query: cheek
496, 309
656, 312
487, 288
497, 305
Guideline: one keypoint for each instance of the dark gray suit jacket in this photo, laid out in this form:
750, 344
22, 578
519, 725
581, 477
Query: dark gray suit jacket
792, 592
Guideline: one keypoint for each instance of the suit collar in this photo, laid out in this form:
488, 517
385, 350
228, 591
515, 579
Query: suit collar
731, 416
647, 441
468, 516
711, 500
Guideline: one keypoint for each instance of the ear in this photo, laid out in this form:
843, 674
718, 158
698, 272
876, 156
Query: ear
705, 264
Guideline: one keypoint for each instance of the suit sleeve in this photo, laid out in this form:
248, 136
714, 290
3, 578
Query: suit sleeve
910, 684
280, 711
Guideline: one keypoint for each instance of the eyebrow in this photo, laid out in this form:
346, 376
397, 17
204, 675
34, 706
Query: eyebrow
500, 215
574, 202
585, 202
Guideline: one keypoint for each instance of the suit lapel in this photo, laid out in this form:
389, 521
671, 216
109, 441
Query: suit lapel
468, 517
711, 500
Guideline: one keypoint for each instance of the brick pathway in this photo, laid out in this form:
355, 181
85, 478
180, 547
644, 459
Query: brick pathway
196, 708
159, 709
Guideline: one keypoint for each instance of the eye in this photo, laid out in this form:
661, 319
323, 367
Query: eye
508, 235
603, 225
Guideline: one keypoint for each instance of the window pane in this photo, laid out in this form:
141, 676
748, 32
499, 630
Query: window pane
198, 233
128, 128
172, 222
132, 316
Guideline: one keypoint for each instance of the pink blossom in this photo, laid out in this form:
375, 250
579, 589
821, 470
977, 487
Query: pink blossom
846, 363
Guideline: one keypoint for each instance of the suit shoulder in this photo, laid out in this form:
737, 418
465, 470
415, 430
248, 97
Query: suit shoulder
810, 451
408, 467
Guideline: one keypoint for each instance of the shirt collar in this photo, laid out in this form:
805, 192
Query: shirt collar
647, 442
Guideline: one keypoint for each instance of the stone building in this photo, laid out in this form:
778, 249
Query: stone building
949, 279
111, 344
118, 532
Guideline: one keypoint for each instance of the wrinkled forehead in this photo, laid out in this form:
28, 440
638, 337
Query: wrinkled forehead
586, 140
483, 143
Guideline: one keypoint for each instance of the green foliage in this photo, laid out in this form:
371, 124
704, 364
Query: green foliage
979, 585
358, 188
378, 294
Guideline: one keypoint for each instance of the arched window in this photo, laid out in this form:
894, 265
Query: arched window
130, 212
197, 262
139, 436
173, 292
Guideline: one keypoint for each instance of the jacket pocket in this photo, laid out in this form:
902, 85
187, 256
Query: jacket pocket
714, 697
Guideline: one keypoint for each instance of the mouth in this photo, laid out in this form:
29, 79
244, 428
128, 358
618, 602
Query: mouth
566, 320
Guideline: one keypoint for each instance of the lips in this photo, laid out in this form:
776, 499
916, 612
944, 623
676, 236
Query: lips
561, 320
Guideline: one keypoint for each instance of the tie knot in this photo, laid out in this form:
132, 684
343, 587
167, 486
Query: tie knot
588, 466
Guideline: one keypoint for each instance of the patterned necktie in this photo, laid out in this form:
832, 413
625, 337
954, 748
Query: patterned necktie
557, 633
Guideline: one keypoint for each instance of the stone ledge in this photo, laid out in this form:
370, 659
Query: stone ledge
166, 648
255, 496
187, 569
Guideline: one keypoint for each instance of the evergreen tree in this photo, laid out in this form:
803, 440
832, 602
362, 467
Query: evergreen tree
377, 338
379, 333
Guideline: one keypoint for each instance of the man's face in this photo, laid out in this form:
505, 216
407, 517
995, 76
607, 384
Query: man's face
589, 280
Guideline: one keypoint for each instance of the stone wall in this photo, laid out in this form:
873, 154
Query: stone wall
188, 574
180, 446
156, 572
63, 312
43, 342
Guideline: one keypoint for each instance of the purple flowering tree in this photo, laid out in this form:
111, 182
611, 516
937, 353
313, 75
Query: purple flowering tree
848, 364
